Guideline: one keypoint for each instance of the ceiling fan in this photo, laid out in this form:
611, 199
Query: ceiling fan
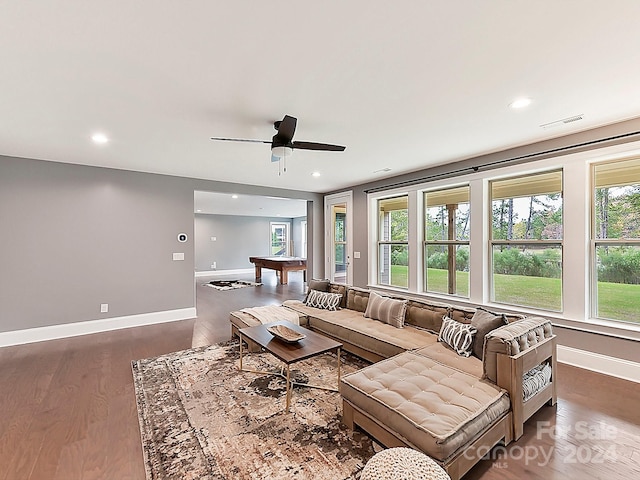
282, 144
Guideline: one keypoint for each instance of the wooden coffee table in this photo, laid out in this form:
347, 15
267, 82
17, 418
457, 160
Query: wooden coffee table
314, 344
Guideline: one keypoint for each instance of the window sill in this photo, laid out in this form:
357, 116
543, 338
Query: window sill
610, 328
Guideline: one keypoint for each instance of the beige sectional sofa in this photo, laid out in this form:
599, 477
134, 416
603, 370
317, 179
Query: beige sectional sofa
419, 392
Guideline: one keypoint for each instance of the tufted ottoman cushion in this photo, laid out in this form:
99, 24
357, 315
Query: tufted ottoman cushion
402, 463
439, 408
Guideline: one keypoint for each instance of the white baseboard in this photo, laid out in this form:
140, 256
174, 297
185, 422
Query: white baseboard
616, 367
222, 273
52, 332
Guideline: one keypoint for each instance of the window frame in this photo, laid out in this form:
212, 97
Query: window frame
523, 243
379, 243
595, 242
287, 240
449, 243
576, 257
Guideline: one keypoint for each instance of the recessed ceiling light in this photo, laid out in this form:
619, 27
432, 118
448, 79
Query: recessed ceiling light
198, 210
99, 138
234, 196
315, 174
520, 102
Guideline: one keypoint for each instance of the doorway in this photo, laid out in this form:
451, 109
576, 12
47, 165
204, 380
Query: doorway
339, 236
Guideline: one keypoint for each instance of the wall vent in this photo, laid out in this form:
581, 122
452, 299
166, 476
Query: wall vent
564, 121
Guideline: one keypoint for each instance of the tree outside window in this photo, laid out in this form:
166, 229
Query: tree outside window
526, 240
616, 240
446, 245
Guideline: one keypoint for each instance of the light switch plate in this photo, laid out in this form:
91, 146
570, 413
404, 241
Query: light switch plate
356, 254
178, 256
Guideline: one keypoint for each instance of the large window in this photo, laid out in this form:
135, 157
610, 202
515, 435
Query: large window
526, 241
393, 241
446, 241
616, 240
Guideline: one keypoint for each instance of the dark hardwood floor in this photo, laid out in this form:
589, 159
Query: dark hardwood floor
67, 407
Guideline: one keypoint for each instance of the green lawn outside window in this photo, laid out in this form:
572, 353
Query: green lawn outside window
616, 300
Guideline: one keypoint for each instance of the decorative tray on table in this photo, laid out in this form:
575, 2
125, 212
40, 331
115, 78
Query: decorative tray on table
285, 334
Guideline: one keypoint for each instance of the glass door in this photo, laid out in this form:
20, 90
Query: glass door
338, 225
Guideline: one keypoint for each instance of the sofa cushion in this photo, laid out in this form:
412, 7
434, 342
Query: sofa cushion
357, 299
320, 285
440, 353
484, 321
438, 407
461, 314
426, 314
352, 327
459, 336
323, 300
341, 289
513, 339
385, 309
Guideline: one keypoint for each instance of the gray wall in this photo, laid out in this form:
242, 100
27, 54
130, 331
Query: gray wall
75, 236
298, 247
617, 133
237, 238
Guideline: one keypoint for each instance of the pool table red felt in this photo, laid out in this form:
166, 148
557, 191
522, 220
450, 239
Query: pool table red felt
283, 265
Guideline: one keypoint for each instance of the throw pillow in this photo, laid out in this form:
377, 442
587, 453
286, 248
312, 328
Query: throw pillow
324, 300
320, 285
385, 309
484, 321
458, 336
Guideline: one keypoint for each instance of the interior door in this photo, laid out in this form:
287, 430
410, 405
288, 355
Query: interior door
339, 235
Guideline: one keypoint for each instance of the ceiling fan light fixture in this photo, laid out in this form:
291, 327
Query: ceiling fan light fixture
282, 151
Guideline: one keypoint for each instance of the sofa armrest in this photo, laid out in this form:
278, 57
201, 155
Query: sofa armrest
512, 339
511, 370
515, 349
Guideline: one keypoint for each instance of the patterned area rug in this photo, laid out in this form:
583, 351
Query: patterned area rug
200, 418
230, 284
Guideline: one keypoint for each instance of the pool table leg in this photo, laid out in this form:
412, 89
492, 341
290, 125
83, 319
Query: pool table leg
258, 273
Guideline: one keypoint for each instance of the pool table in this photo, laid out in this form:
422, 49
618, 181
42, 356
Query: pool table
282, 265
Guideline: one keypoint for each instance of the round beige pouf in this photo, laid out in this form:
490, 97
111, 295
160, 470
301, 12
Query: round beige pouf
402, 464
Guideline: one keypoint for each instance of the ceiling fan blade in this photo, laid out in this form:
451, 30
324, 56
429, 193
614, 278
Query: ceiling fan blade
286, 128
239, 140
317, 146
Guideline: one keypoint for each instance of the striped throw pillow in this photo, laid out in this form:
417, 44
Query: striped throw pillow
324, 300
458, 336
385, 309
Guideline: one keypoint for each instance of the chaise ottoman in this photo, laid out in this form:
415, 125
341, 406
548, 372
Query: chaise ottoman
411, 400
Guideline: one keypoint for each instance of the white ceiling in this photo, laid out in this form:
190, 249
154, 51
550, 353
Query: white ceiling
404, 85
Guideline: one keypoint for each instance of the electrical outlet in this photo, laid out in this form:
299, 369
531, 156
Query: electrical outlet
214, 265
104, 307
